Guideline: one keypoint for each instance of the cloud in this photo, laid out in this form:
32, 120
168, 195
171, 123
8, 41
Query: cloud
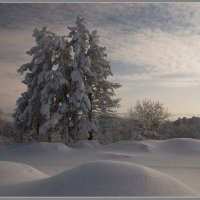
162, 56
148, 44
128, 16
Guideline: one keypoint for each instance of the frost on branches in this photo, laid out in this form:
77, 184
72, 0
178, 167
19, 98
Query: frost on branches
81, 72
54, 95
40, 108
102, 89
67, 86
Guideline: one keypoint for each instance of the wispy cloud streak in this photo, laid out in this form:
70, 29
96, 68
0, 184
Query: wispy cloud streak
154, 44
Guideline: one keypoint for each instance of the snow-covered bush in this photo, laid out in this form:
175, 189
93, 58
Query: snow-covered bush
148, 117
6, 131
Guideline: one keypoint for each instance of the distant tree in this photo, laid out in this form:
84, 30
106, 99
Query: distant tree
149, 116
186, 128
110, 128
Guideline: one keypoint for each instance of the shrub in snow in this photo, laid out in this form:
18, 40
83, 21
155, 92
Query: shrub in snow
149, 116
6, 131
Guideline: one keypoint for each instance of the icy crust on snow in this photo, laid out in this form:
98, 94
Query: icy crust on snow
104, 178
15, 173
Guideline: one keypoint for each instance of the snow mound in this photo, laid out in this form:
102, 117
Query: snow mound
116, 155
130, 146
86, 144
13, 173
104, 178
179, 145
41, 147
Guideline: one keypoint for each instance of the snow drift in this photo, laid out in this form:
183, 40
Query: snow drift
86, 144
41, 147
103, 178
13, 173
130, 146
179, 145
175, 145
90, 169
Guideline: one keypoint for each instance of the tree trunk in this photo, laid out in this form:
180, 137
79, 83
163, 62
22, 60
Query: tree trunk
90, 116
49, 137
66, 135
37, 131
21, 137
91, 135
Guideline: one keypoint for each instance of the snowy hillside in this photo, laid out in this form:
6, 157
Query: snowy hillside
126, 168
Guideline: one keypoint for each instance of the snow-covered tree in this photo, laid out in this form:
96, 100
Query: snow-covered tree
149, 117
101, 90
36, 108
55, 94
90, 77
81, 72
66, 85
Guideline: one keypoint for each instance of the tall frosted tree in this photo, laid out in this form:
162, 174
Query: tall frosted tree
91, 92
102, 91
27, 115
38, 108
67, 85
81, 72
55, 94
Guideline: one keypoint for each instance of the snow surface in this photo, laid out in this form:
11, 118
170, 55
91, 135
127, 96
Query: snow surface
126, 168
86, 144
15, 173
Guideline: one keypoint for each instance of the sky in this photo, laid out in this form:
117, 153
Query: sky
153, 48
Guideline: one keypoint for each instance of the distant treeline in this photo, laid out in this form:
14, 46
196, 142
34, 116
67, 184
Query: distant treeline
114, 128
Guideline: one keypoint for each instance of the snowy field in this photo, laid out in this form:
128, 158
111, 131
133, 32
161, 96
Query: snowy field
125, 168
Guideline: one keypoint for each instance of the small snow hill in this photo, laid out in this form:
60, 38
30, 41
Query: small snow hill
103, 178
40, 147
86, 144
129, 146
179, 145
13, 173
